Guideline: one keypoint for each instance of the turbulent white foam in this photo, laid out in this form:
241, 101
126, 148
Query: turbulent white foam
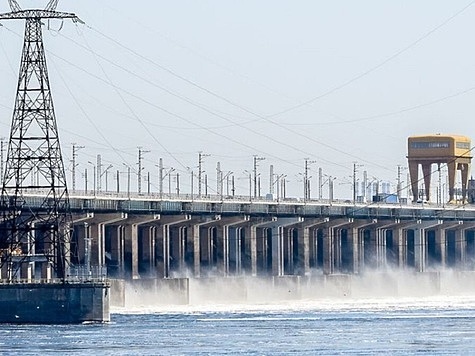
325, 305
372, 292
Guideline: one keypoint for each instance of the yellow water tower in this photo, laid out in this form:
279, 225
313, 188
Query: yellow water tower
453, 150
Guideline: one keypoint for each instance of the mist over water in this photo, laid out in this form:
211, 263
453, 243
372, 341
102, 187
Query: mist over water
396, 313
374, 290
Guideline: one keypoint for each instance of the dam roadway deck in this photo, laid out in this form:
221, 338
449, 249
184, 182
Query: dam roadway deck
148, 237
166, 244
184, 204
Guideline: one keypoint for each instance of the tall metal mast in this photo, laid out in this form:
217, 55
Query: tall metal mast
35, 232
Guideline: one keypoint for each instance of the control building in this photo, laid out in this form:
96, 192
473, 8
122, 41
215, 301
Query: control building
453, 150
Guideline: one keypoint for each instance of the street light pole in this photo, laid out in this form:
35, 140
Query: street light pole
139, 173
148, 183
106, 174
256, 164
94, 176
128, 179
330, 188
355, 171
219, 181
73, 161
320, 183
277, 184
99, 172
306, 180
201, 157
160, 178
192, 184
85, 180
399, 182
118, 181
249, 175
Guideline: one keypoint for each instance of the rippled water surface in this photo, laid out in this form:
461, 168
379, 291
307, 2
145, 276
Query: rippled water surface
430, 326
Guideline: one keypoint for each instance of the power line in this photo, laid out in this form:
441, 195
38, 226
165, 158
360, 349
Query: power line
391, 113
381, 64
200, 106
261, 117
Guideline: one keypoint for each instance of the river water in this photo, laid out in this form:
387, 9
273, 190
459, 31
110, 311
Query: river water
397, 326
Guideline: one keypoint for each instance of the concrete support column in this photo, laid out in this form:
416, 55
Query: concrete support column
258, 233
441, 246
372, 246
420, 249
459, 228
357, 255
97, 235
351, 259
117, 245
277, 228
420, 242
253, 245
160, 249
337, 250
131, 230
147, 244
232, 244
398, 241
291, 250
96, 232
461, 258
381, 247
263, 250
195, 231
177, 247
398, 236
81, 232
358, 240
460, 246
277, 250
183, 244
303, 265
332, 243
282, 251
243, 233
199, 228
163, 241
131, 250
328, 250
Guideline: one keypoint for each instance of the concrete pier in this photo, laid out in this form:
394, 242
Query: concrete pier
333, 247
154, 246
165, 246
54, 303
148, 293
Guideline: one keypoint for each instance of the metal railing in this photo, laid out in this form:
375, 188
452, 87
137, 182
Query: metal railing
183, 203
76, 275
82, 274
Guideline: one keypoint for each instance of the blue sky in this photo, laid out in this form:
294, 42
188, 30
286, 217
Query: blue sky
333, 81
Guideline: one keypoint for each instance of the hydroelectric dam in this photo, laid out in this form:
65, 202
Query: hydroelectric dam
163, 244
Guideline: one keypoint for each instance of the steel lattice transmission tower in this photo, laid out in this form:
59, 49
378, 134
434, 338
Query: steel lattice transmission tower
35, 233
